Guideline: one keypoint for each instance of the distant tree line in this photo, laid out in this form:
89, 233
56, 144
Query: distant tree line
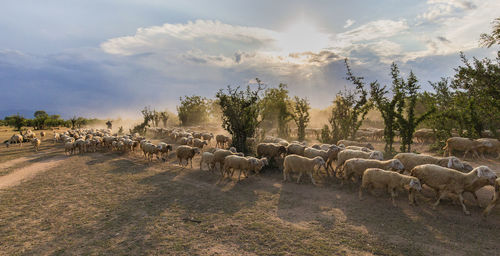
41, 120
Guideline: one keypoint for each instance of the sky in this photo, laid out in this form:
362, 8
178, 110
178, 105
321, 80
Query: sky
110, 58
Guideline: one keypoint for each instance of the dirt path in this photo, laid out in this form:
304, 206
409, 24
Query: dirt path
12, 162
14, 178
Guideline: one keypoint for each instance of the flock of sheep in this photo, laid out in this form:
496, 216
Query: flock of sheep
354, 161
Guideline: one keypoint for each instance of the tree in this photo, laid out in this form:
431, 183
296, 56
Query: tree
387, 106
405, 111
349, 109
109, 124
16, 121
193, 110
40, 118
489, 40
164, 118
301, 116
148, 115
275, 106
240, 113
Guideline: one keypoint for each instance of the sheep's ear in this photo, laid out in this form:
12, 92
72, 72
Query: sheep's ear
450, 163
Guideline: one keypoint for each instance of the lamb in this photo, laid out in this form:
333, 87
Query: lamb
410, 160
149, 151
392, 181
270, 150
347, 154
355, 143
163, 149
199, 143
42, 134
234, 162
186, 152
208, 159
302, 165
461, 144
36, 144
16, 138
355, 167
207, 136
494, 201
69, 148
57, 137
445, 180
256, 164
221, 140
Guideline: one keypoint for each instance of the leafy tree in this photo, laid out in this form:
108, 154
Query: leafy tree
489, 40
16, 121
164, 118
387, 106
240, 113
40, 118
193, 110
275, 107
301, 116
405, 111
349, 109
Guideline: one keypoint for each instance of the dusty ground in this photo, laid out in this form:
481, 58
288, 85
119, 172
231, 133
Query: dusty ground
118, 204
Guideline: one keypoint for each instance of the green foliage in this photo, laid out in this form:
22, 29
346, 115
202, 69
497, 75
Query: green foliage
405, 110
301, 116
387, 106
240, 113
193, 110
349, 110
275, 107
39, 121
489, 40
17, 121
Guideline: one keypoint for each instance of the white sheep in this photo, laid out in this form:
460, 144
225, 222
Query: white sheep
186, 152
347, 154
489, 145
494, 201
36, 143
355, 143
270, 150
221, 154
69, 148
163, 149
364, 149
355, 167
445, 180
16, 138
233, 163
221, 140
302, 165
295, 148
199, 143
375, 178
208, 159
410, 160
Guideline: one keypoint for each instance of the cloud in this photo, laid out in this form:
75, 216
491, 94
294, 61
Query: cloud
374, 30
349, 23
439, 9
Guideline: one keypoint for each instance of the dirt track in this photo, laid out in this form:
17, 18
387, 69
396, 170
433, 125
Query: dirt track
24, 173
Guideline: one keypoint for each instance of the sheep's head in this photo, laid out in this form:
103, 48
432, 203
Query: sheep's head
468, 167
258, 164
415, 184
397, 165
368, 145
196, 150
281, 150
341, 146
232, 149
377, 155
264, 160
365, 149
455, 163
318, 161
316, 146
486, 172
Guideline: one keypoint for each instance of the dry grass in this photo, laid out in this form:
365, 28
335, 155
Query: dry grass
114, 204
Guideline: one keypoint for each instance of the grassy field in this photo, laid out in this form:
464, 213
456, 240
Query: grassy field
108, 203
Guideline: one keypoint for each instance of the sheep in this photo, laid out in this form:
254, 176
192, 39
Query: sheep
302, 165
186, 152
163, 149
69, 148
270, 150
424, 136
36, 144
445, 180
347, 154
207, 136
410, 160
392, 181
42, 134
208, 159
234, 162
149, 151
16, 138
256, 164
221, 140
461, 144
355, 167
184, 141
220, 155
355, 143
359, 148
297, 149
489, 145
199, 143
57, 137
326, 155
494, 201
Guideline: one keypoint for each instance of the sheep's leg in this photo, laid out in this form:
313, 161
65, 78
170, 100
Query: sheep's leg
393, 196
461, 198
412, 197
439, 197
239, 175
490, 206
312, 179
284, 175
298, 179
360, 193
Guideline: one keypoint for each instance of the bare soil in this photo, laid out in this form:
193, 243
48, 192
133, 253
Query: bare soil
108, 203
